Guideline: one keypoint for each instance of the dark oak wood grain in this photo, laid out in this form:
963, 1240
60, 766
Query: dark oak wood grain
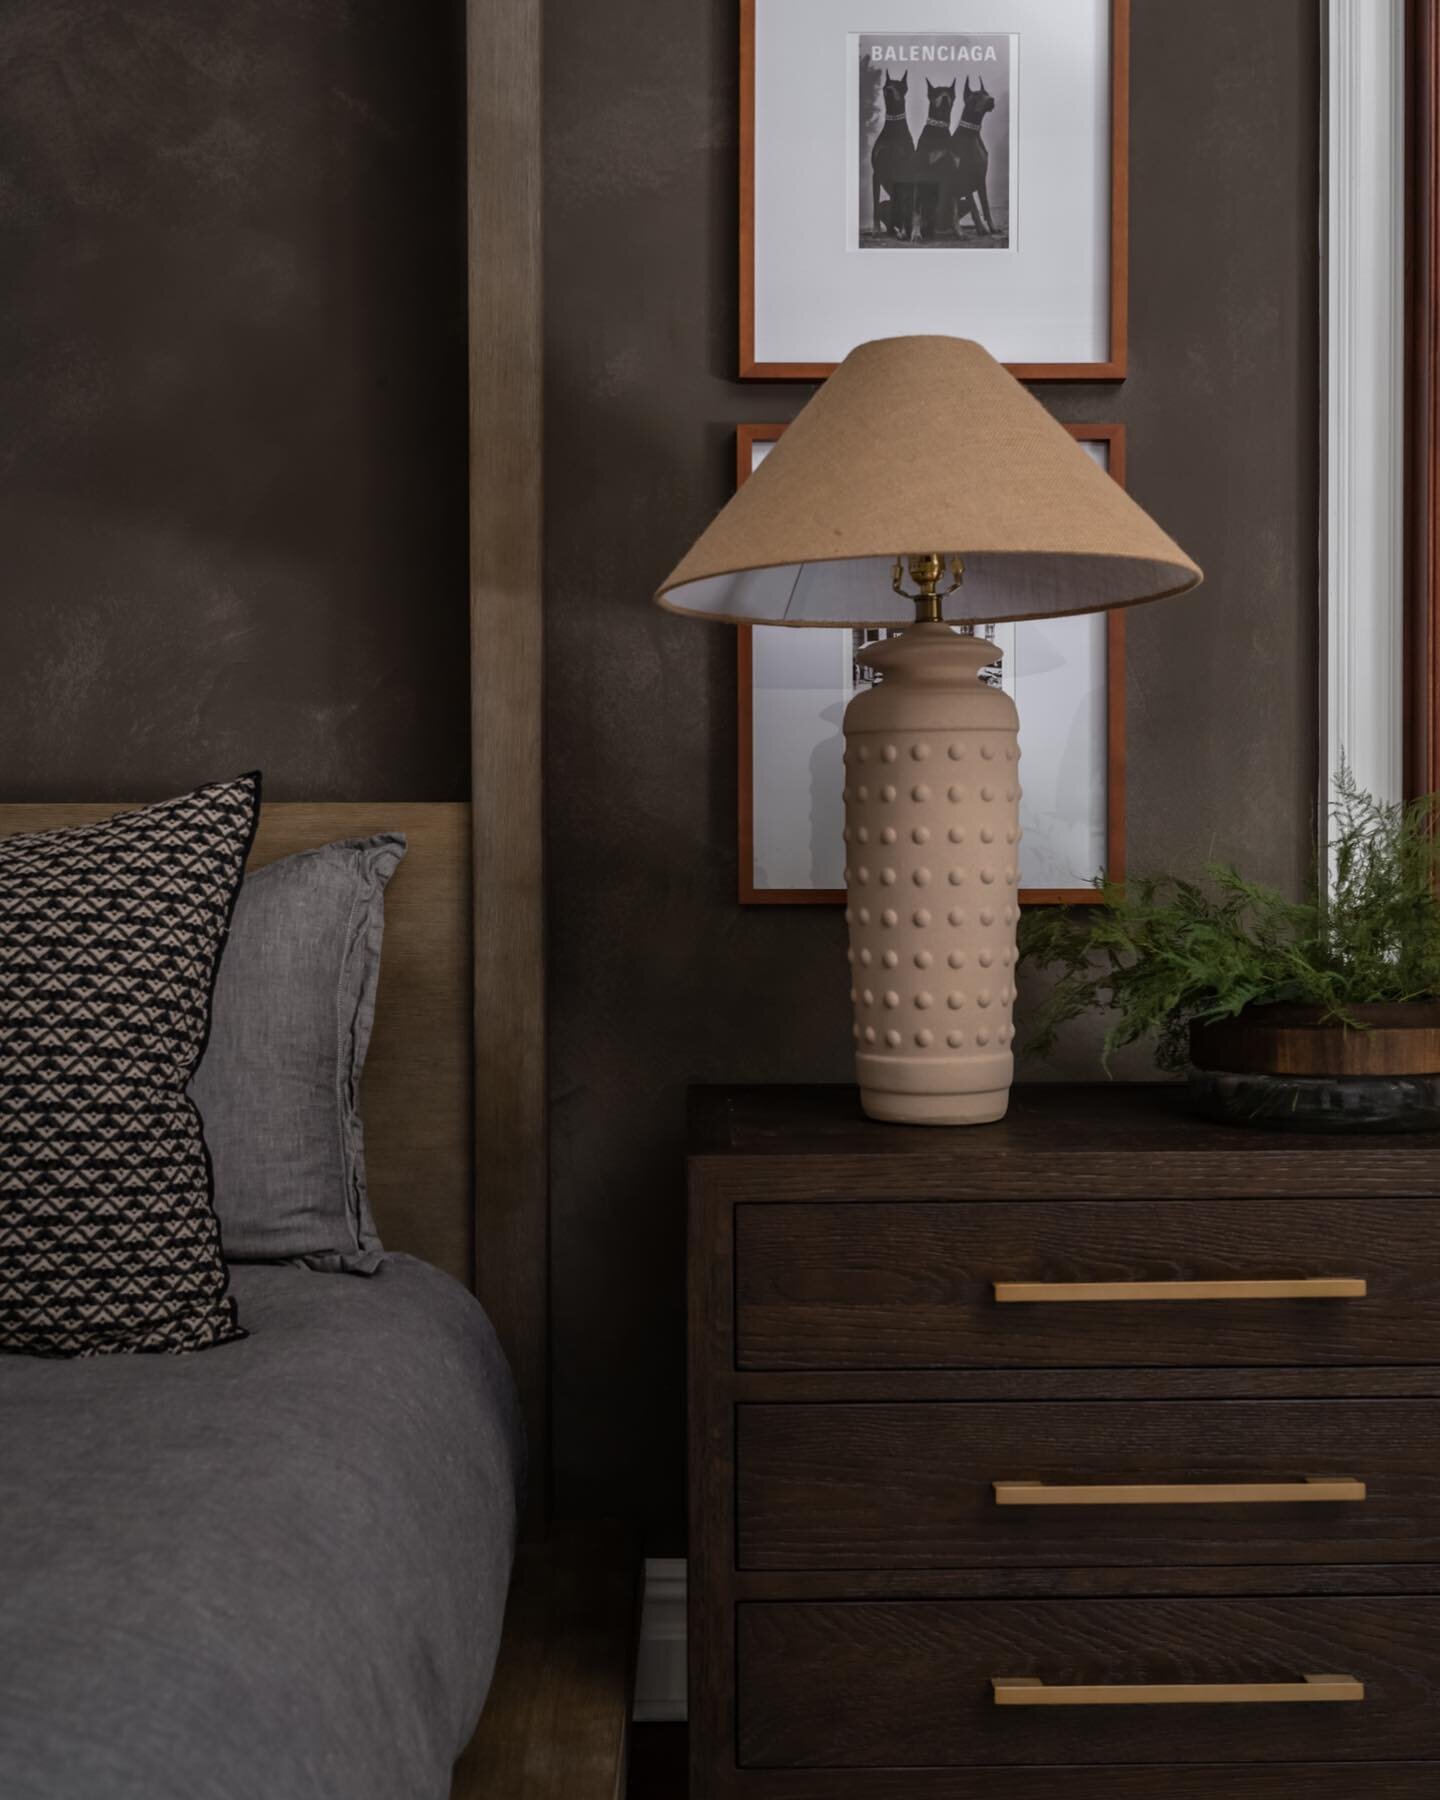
1412, 1381
556, 1718
907, 1285
711, 1633
908, 1684
1291, 1781
1114, 1140
906, 1486
1099, 1581
856, 1390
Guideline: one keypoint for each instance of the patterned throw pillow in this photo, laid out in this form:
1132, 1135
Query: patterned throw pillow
110, 936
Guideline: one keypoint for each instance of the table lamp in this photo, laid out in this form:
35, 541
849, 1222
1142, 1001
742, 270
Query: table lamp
922, 487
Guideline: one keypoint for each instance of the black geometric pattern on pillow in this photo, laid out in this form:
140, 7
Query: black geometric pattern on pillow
110, 937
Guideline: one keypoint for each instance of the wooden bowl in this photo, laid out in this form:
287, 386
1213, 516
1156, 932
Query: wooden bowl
1398, 1038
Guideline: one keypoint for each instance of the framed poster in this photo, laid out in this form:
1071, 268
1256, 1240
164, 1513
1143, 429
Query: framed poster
1067, 677
960, 167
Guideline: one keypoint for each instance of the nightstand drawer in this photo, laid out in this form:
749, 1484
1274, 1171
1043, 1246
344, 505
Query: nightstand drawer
909, 1684
1150, 1483
829, 1285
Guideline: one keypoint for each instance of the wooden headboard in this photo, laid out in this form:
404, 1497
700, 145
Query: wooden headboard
418, 1087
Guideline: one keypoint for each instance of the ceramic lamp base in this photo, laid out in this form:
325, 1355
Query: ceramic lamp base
932, 830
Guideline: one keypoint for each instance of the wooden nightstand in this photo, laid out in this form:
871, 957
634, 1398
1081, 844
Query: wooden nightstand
968, 1524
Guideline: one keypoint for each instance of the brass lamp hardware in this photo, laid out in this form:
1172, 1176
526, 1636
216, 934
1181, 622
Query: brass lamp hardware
1313, 1489
1310, 1690
926, 573
1312, 1287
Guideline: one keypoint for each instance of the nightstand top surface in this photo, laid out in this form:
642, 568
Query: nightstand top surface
1045, 1118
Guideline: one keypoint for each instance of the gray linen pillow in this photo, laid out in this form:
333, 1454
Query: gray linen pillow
279, 1085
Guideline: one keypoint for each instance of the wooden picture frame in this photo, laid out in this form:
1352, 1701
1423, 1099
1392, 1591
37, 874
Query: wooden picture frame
1113, 437
1110, 368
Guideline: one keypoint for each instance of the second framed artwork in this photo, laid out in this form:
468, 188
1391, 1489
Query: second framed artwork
951, 166
1067, 677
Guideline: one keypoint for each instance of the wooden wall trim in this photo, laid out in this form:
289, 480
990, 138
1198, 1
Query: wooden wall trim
1422, 399
503, 61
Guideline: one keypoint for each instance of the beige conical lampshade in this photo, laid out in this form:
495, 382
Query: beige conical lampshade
916, 445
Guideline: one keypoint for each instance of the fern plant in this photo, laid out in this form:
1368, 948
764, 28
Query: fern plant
1160, 952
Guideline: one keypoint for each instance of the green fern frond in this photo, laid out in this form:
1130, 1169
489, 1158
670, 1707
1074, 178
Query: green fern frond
1161, 951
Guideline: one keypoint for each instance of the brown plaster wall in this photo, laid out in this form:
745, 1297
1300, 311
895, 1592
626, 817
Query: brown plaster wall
232, 397
657, 977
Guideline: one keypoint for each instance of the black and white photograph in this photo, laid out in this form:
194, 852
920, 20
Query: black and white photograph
990, 136
935, 168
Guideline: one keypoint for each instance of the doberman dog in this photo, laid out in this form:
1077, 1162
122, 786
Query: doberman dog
891, 165
934, 160
971, 160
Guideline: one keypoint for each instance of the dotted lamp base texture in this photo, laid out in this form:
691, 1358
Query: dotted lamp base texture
932, 832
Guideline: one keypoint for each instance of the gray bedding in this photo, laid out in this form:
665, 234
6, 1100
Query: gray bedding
275, 1570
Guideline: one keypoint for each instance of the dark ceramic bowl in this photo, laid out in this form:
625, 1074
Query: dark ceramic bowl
1334, 1103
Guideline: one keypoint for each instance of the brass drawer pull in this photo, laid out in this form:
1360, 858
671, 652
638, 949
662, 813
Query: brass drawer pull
1185, 1493
1310, 1691
1313, 1287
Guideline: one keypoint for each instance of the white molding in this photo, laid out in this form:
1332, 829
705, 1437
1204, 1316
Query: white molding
660, 1670
1362, 666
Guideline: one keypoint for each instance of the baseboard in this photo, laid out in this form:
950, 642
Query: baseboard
660, 1671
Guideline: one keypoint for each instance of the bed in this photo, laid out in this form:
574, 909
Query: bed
280, 1568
